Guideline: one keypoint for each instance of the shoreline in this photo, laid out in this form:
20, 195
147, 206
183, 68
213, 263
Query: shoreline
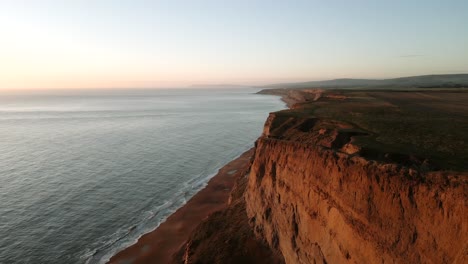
151, 246
163, 242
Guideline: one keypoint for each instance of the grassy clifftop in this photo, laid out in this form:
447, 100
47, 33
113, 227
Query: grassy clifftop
428, 129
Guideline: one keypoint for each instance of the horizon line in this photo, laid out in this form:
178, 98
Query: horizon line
215, 85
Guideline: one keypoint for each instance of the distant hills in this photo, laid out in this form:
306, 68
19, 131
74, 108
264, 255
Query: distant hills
423, 81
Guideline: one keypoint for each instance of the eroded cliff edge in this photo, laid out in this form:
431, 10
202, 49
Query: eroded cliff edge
356, 177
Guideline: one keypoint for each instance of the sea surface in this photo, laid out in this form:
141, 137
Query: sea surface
84, 174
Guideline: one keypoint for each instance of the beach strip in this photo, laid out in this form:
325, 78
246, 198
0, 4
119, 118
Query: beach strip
160, 245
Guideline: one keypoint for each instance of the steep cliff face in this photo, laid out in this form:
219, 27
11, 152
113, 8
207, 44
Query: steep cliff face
313, 198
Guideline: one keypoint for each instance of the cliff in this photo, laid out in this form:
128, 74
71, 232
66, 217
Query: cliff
317, 205
350, 177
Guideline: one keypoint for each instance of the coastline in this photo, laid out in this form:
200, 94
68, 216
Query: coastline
213, 226
163, 242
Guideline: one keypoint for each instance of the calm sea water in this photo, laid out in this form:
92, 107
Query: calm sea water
86, 173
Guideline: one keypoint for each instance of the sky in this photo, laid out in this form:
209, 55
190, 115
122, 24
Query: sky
151, 44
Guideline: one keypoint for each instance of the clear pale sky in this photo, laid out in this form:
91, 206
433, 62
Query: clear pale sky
136, 43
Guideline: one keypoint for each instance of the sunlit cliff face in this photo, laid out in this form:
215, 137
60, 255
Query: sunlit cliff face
316, 205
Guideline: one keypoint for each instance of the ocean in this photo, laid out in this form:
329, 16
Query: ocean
85, 173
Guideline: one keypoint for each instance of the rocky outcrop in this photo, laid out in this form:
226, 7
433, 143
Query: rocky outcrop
312, 197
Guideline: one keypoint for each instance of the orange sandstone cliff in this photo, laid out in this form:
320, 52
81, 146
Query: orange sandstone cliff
318, 205
349, 177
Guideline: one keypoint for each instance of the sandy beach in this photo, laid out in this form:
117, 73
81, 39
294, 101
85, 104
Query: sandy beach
159, 245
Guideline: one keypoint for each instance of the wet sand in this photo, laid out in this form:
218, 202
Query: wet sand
159, 245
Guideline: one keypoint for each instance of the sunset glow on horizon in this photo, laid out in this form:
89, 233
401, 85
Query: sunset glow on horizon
150, 44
